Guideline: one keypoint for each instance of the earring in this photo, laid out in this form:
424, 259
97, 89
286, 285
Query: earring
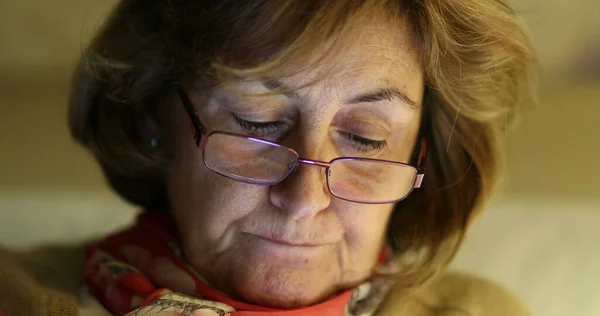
154, 142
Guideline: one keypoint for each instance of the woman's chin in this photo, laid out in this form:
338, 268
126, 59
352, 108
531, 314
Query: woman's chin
281, 276
283, 289
272, 275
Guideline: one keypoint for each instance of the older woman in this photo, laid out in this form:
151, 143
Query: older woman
297, 157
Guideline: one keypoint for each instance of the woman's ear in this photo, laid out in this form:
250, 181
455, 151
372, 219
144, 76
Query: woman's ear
154, 126
149, 132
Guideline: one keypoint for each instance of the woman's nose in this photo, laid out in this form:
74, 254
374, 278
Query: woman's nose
303, 193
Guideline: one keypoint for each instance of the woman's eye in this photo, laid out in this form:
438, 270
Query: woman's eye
365, 144
256, 128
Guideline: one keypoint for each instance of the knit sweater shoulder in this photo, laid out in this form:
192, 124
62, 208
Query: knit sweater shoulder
47, 281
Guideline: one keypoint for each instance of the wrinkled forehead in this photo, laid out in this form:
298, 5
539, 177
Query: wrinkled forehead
379, 52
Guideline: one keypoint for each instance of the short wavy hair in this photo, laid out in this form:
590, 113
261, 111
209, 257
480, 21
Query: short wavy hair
478, 62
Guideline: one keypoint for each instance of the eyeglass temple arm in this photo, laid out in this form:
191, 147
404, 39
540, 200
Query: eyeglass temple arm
421, 163
425, 119
198, 129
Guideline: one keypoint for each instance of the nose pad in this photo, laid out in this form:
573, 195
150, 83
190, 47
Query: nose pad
292, 165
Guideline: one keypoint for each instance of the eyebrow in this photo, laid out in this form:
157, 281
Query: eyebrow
274, 84
387, 93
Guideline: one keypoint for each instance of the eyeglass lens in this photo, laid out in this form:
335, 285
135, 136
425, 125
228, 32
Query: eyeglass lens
260, 162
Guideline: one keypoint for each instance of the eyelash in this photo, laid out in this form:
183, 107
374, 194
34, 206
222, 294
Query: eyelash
365, 144
255, 128
265, 128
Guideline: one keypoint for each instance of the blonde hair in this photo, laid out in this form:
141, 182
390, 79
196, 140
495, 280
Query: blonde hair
477, 59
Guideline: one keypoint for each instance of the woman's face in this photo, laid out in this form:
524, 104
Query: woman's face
293, 244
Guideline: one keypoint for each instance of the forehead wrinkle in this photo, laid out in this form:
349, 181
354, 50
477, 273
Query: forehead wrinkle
389, 57
378, 52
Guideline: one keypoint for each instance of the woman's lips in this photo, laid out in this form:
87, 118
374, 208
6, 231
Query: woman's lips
293, 243
285, 253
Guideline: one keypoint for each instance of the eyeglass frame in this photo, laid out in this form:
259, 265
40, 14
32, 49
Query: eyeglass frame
201, 139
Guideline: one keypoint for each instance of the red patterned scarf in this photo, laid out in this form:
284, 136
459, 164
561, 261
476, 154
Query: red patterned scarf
142, 271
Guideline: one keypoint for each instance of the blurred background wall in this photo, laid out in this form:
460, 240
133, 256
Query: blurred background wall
554, 152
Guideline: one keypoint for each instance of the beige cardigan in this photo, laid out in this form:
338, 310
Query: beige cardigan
47, 281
